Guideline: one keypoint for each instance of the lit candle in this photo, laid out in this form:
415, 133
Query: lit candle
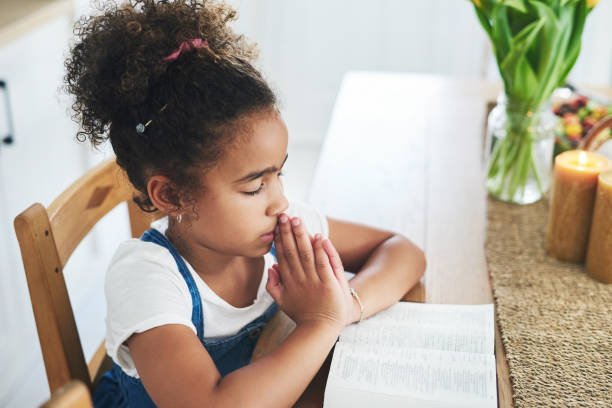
571, 203
599, 252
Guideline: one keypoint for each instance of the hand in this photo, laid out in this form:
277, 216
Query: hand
336, 264
304, 283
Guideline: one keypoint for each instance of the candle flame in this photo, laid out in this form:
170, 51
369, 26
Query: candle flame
582, 158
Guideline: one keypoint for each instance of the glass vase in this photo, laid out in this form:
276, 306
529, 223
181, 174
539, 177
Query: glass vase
519, 149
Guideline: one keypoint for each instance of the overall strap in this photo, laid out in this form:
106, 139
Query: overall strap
153, 235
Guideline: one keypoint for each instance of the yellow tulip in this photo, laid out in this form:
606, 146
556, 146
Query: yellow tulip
592, 3
478, 4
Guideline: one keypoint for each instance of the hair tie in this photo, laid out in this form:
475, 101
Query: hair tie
187, 45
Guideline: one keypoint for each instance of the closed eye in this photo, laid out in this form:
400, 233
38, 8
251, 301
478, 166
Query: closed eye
261, 186
252, 193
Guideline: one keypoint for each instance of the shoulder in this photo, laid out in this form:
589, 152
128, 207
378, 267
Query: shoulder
143, 289
315, 221
141, 263
144, 275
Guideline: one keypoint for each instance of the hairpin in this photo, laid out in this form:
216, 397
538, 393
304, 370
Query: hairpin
140, 128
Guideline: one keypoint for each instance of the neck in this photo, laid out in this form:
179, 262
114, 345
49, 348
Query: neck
206, 261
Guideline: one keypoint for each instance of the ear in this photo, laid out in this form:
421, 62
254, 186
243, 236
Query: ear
163, 195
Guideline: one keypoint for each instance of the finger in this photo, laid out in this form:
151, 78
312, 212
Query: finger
274, 285
280, 256
335, 261
290, 249
274, 278
324, 269
304, 246
277, 269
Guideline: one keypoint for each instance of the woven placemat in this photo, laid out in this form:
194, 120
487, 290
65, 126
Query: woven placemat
555, 321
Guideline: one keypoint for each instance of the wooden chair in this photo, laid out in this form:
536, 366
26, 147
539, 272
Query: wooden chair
72, 395
47, 237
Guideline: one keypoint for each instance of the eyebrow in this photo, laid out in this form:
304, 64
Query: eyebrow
257, 174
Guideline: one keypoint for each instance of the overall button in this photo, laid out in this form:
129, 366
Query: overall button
254, 334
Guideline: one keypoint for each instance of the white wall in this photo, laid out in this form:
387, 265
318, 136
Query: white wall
306, 47
594, 65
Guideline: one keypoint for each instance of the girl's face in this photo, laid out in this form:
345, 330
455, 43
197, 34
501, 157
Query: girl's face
244, 192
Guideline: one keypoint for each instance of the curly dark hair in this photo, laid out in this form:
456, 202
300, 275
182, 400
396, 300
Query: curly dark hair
118, 77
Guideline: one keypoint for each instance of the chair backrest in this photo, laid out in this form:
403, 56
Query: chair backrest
47, 238
72, 395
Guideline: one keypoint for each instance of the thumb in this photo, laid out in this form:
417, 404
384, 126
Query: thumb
274, 286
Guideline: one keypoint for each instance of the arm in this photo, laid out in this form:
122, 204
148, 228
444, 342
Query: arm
178, 372
384, 262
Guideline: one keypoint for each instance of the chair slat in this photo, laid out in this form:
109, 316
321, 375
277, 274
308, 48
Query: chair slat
57, 331
99, 364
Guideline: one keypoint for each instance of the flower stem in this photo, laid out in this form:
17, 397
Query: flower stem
512, 159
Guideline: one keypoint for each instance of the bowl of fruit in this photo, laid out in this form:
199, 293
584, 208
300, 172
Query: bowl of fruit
584, 122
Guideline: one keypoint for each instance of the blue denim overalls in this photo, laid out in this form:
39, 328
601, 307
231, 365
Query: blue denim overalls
117, 389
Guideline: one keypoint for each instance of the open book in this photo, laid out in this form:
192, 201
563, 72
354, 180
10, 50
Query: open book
416, 355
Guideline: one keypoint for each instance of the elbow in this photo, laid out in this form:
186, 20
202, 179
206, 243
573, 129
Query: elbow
414, 274
422, 263
416, 260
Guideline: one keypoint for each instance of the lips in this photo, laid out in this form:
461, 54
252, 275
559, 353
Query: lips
268, 233
268, 237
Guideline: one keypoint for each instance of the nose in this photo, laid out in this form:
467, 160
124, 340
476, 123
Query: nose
278, 201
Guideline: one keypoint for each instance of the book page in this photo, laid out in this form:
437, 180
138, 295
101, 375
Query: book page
448, 378
462, 328
467, 316
413, 336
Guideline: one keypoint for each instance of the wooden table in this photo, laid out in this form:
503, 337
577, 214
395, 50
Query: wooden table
404, 152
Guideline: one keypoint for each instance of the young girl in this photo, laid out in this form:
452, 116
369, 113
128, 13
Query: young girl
198, 132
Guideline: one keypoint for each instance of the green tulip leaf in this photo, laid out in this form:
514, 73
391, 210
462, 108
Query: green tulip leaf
574, 46
484, 20
501, 36
520, 44
515, 4
553, 42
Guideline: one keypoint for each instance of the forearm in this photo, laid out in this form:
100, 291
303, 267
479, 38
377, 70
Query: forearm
279, 378
392, 269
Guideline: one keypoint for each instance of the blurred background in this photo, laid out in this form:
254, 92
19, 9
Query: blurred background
306, 48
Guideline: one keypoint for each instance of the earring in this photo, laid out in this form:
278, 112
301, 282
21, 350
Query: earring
179, 218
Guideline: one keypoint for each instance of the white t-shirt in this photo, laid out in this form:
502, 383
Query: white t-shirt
144, 289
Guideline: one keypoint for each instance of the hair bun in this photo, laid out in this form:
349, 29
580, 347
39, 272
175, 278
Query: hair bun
116, 57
